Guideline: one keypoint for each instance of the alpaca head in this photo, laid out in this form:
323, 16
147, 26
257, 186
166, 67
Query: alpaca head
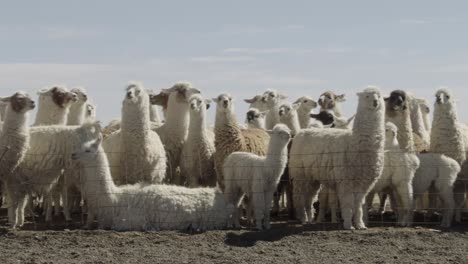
424, 106
198, 105
257, 103
20, 102
90, 111
88, 151
161, 99
181, 92
391, 133
224, 103
397, 101
328, 100
89, 131
280, 134
59, 96
136, 94
286, 111
255, 118
81, 94
370, 98
272, 98
306, 103
444, 100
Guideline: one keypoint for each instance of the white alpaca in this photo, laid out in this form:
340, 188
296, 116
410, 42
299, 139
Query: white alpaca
417, 123
273, 101
425, 111
306, 105
14, 137
439, 171
349, 162
154, 112
256, 119
54, 105
146, 207
174, 131
77, 112
43, 163
197, 162
90, 115
135, 152
288, 115
257, 177
397, 176
447, 137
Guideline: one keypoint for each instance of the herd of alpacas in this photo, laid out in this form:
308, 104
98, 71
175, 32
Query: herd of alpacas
175, 171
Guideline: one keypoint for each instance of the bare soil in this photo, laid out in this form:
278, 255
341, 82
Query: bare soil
286, 242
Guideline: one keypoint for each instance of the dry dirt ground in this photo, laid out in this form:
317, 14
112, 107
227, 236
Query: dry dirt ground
287, 242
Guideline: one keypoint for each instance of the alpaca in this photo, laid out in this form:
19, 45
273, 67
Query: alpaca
42, 165
289, 116
196, 162
77, 112
54, 104
331, 101
256, 119
306, 105
397, 176
349, 161
447, 137
230, 138
145, 207
273, 100
14, 137
174, 131
135, 152
257, 177
257, 102
417, 124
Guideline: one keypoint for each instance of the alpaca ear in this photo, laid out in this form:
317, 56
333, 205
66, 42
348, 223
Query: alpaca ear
216, 100
45, 91
298, 101
5, 99
283, 97
340, 98
350, 119
250, 101
296, 106
264, 113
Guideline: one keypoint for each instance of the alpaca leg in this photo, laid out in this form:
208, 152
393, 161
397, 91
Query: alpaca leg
382, 201
346, 205
446, 195
289, 199
266, 218
314, 189
299, 194
66, 202
323, 202
405, 197
48, 207
432, 200
368, 205
21, 207
332, 200
276, 199
459, 195
258, 203
359, 198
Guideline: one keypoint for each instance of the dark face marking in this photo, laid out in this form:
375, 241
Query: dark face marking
20, 103
327, 100
325, 117
161, 99
61, 97
396, 101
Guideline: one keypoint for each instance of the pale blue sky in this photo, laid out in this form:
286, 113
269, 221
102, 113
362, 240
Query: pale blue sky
243, 47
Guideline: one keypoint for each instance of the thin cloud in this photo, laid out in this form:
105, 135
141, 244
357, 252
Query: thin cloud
414, 21
66, 33
217, 59
458, 68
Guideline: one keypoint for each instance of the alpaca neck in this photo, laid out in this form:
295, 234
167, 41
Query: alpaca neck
402, 120
304, 117
15, 122
292, 121
99, 186
228, 121
154, 114
197, 127
427, 122
337, 110
135, 120
272, 117
369, 129
77, 114
418, 124
177, 118
277, 155
51, 114
392, 144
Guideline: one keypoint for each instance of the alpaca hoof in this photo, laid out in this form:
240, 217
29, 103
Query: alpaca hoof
348, 227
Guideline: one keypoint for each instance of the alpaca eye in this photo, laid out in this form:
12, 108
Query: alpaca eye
305, 101
448, 97
88, 151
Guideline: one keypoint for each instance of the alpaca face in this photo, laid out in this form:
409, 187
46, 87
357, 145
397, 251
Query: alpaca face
282, 133
20, 102
397, 101
135, 95
257, 102
198, 104
59, 95
306, 103
371, 99
272, 98
256, 118
443, 97
286, 110
328, 100
90, 111
88, 151
224, 103
81, 94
